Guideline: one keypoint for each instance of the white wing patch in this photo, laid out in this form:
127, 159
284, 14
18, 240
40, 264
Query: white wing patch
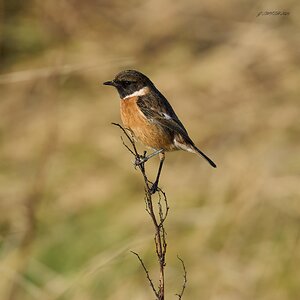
182, 146
167, 116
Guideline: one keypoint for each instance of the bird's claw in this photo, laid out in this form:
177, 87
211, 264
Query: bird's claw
153, 189
140, 160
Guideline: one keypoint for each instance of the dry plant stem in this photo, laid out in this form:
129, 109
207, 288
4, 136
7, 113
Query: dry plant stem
147, 274
184, 279
158, 216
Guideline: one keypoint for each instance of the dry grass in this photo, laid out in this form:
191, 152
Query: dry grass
71, 205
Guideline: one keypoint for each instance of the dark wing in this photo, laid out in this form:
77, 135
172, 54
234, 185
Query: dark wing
158, 110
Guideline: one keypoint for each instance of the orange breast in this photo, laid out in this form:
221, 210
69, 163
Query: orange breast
148, 133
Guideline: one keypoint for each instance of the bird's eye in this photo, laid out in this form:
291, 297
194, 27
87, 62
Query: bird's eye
126, 82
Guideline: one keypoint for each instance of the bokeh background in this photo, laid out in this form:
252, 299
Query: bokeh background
71, 203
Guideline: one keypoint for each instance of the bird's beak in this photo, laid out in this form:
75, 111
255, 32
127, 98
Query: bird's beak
109, 83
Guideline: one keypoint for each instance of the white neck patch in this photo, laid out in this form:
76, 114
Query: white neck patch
143, 91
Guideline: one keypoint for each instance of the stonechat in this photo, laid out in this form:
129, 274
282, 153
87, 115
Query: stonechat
150, 118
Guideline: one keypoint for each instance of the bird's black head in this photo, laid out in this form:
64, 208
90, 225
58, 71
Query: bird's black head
129, 82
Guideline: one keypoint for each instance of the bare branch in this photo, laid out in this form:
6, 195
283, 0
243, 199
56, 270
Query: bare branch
184, 279
125, 130
158, 217
147, 273
127, 146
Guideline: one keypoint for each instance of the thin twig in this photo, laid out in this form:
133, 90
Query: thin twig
127, 146
125, 130
147, 273
184, 279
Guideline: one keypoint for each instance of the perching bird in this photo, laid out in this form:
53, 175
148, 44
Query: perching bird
151, 118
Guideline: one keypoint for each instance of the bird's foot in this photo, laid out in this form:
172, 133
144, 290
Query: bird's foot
140, 160
154, 188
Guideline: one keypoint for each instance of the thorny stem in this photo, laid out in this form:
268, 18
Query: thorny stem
158, 220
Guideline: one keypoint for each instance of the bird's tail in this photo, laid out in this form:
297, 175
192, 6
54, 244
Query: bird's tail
200, 153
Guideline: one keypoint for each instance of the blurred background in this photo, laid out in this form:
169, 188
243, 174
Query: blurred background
71, 203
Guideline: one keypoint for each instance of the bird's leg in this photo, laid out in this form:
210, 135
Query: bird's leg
161, 162
141, 160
